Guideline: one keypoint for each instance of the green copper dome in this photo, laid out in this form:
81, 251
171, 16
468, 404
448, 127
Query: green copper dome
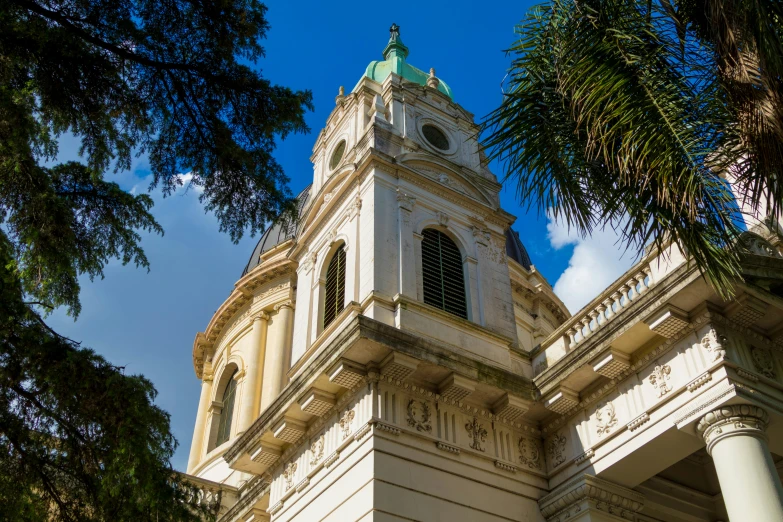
394, 62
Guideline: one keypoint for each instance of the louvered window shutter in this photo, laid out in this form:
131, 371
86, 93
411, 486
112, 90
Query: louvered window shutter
334, 301
224, 426
444, 282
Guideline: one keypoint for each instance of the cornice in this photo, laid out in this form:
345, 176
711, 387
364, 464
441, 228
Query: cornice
600, 494
243, 293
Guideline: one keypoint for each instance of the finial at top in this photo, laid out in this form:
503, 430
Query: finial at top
394, 31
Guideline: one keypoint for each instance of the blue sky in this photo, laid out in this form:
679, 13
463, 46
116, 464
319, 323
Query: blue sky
146, 321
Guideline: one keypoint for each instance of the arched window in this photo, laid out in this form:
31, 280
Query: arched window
444, 283
224, 426
334, 300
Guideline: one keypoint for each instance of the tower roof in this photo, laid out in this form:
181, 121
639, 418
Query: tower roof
394, 56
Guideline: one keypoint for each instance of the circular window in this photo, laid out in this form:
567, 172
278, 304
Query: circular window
337, 155
435, 137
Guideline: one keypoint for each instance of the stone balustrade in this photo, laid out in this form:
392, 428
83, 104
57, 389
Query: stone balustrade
209, 495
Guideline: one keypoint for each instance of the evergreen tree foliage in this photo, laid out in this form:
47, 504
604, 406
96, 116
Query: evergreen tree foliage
628, 112
175, 80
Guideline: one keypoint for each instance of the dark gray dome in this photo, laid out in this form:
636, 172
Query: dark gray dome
280, 231
516, 250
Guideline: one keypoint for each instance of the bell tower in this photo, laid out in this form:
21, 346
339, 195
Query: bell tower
376, 353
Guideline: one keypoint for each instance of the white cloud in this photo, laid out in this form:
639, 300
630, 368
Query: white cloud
186, 180
596, 261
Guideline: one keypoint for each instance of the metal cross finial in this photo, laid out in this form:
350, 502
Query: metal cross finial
394, 31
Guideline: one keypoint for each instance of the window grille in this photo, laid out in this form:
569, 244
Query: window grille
444, 282
224, 426
334, 301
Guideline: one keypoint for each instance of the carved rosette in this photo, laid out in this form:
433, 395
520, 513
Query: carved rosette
419, 416
530, 453
477, 434
735, 419
659, 378
556, 449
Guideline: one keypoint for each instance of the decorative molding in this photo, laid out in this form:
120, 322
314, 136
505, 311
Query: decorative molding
659, 377
419, 415
510, 408
505, 467
747, 375
363, 431
346, 373
331, 459
302, 485
477, 434
587, 455
668, 321
317, 402
456, 387
398, 366
612, 364
556, 449
588, 493
445, 446
638, 421
562, 401
698, 382
388, 428
289, 429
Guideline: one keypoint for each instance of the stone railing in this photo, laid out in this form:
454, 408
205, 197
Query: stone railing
621, 294
208, 495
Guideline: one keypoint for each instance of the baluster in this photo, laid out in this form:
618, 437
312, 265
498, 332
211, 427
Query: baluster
607, 304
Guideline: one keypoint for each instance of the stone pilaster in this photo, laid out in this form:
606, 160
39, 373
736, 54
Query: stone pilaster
591, 499
736, 440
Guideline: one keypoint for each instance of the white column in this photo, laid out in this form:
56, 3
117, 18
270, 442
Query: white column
251, 394
748, 479
277, 355
197, 444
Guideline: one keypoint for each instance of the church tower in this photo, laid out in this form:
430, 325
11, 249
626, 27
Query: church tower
373, 362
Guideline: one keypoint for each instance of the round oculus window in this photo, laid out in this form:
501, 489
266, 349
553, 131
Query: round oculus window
435, 137
337, 155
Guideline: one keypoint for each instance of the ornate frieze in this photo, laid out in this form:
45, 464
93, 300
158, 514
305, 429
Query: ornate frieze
346, 420
419, 416
715, 344
659, 379
289, 473
556, 449
317, 450
477, 434
605, 418
763, 361
588, 493
530, 453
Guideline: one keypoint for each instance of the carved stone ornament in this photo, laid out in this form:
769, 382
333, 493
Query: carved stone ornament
659, 377
715, 344
763, 361
288, 474
583, 497
606, 418
556, 449
405, 201
756, 244
477, 434
530, 453
345, 422
443, 219
419, 416
317, 451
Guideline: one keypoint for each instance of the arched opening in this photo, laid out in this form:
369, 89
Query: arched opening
227, 411
334, 296
442, 273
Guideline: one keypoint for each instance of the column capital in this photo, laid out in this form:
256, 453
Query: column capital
285, 304
261, 316
731, 420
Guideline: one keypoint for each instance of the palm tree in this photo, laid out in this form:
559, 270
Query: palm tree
631, 112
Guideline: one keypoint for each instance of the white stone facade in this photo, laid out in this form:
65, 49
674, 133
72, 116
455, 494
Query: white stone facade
656, 402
